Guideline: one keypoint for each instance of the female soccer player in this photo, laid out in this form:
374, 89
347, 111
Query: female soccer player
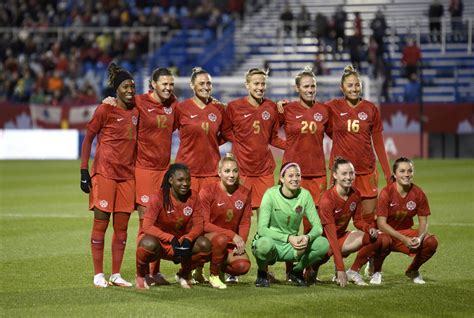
356, 125
227, 208
112, 184
279, 221
336, 208
199, 120
172, 228
253, 121
398, 204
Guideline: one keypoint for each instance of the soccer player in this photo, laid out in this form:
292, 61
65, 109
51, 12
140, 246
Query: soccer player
199, 120
277, 238
227, 208
356, 125
337, 207
173, 228
253, 122
398, 204
112, 187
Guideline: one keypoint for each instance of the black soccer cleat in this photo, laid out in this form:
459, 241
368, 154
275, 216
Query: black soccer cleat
297, 278
262, 279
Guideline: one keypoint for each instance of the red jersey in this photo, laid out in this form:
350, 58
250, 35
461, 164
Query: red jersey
199, 133
304, 128
352, 129
184, 220
116, 131
155, 130
400, 211
254, 129
226, 214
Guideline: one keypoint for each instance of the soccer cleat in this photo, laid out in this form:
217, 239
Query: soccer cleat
369, 268
262, 279
416, 277
231, 279
311, 277
100, 281
158, 279
197, 276
140, 283
355, 277
272, 279
185, 283
216, 282
117, 280
376, 278
297, 278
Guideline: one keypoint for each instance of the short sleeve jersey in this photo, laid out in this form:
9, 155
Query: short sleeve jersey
253, 129
280, 216
155, 130
352, 129
199, 131
227, 214
116, 131
400, 211
304, 129
185, 219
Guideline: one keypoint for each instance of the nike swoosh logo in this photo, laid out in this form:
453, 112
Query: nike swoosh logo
119, 119
393, 204
96, 242
343, 114
150, 109
84, 181
220, 204
192, 116
247, 115
337, 211
299, 116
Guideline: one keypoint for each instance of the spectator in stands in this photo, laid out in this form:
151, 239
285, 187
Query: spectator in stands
456, 8
286, 18
375, 57
355, 45
339, 27
321, 31
303, 21
435, 14
411, 57
379, 27
357, 25
412, 90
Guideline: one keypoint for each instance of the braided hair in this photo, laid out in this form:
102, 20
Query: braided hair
166, 185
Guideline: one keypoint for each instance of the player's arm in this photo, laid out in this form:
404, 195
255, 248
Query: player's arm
275, 140
226, 127
379, 146
152, 213
313, 218
266, 208
326, 208
244, 226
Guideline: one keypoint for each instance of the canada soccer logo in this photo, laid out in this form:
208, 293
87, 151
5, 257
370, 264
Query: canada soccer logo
266, 115
239, 204
353, 206
411, 205
362, 116
212, 117
103, 203
145, 198
134, 120
187, 211
168, 110
318, 117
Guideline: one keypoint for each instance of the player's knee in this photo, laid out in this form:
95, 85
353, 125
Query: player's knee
320, 245
264, 246
149, 243
238, 267
431, 243
203, 244
121, 222
219, 241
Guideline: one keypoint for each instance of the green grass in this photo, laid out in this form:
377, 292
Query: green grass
46, 266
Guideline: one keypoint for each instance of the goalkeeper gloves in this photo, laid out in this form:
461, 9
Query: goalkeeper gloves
86, 183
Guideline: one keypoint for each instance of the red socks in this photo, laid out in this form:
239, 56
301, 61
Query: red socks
119, 240
427, 249
143, 258
219, 251
97, 244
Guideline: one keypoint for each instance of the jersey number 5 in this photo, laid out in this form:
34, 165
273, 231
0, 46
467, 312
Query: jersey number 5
205, 127
256, 127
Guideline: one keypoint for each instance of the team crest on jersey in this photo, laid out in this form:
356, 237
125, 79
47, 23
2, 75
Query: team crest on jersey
318, 117
299, 209
266, 115
212, 117
103, 203
134, 120
362, 116
353, 206
187, 211
145, 198
411, 205
167, 110
239, 204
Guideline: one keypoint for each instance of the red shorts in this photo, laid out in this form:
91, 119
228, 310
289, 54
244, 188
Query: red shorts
258, 186
398, 246
147, 183
367, 184
198, 182
316, 186
110, 195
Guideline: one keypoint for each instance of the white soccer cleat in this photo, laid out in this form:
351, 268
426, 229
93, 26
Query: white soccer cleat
117, 280
355, 277
231, 279
416, 277
216, 282
376, 278
100, 281
185, 283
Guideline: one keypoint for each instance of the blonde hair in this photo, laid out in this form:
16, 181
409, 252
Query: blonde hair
229, 156
307, 71
348, 71
255, 71
197, 70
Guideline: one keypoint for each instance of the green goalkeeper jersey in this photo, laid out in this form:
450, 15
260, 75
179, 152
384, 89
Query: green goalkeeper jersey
280, 217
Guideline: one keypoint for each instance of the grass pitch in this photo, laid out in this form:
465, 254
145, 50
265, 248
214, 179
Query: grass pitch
46, 266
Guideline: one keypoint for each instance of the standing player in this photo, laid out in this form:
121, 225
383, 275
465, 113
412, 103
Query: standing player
277, 238
253, 121
336, 208
227, 208
172, 228
199, 120
112, 184
398, 204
